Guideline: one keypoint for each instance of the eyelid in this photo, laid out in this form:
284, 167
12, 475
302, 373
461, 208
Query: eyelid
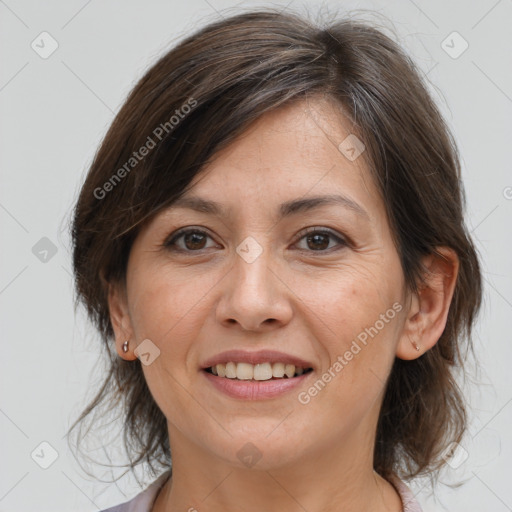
342, 240
183, 231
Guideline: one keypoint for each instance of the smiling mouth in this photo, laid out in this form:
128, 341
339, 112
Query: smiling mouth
257, 372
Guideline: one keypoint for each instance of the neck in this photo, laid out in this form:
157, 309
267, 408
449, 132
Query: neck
324, 482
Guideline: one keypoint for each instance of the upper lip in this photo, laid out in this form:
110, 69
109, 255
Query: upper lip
261, 356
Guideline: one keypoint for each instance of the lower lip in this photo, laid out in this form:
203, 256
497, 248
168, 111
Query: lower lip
255, 389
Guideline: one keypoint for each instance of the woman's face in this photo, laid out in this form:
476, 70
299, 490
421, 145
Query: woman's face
249, 278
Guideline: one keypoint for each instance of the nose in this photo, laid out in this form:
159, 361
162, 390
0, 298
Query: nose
255, 297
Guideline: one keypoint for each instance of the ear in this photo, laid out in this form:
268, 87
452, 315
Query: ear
120, 320
428, 310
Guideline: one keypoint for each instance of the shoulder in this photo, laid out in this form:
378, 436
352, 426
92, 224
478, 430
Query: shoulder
142, 502
409, 502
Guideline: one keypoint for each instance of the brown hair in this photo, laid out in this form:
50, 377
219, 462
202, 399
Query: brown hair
228, 74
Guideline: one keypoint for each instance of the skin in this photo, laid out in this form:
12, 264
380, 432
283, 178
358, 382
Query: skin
293, 297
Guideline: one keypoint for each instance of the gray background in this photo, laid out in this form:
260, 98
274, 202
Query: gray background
53, 114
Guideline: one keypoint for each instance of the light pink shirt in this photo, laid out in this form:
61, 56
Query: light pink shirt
409, 502
143, 502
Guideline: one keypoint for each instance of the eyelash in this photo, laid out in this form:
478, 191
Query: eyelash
170, 243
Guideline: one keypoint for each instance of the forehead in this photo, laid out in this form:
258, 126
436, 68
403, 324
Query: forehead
302, 149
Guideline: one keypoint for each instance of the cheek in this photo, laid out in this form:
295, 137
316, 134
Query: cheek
164, 304
167, 309
356, 319
350, 297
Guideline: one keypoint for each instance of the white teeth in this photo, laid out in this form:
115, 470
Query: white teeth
221, 370
289, 370
261, 371
244, 371
278, 369
231, 370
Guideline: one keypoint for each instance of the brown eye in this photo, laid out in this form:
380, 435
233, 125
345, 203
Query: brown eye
319, 240
192, 240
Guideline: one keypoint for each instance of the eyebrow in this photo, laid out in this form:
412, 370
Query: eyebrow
286, 209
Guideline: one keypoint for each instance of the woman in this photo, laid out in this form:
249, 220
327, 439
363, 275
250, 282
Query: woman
271, 237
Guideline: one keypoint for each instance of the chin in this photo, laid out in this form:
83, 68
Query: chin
263, 450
